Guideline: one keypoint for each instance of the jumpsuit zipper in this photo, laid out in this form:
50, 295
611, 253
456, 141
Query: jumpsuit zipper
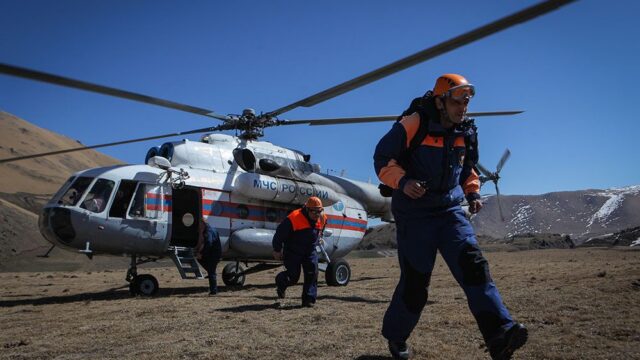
446, 173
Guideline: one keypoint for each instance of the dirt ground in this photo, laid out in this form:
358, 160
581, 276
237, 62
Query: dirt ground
578, 304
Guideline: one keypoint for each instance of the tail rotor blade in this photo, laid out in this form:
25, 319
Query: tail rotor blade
503, 159
499, 202
484, 170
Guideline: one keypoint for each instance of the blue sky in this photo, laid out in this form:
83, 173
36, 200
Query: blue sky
572, 71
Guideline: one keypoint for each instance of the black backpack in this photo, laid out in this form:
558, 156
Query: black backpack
425, 106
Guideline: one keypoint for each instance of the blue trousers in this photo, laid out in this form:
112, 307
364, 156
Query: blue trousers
209, 263
418, 242
291, 275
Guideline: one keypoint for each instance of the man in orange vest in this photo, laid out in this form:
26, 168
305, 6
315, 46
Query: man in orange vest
295, 243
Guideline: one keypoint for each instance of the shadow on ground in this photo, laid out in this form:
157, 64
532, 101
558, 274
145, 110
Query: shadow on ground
119, 293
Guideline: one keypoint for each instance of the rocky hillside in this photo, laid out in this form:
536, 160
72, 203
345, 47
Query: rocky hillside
627, 237
556, 220
580, 214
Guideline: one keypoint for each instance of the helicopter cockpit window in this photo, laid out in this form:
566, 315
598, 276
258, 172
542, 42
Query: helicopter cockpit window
97, 198
62, 189
74, 193
148, 202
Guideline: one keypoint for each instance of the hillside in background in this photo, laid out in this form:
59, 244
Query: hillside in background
589, 217
581, 214
26, 185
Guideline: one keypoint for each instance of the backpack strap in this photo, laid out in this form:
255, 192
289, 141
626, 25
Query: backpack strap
425, 107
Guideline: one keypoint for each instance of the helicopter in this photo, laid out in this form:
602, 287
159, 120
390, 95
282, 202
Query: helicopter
242, 186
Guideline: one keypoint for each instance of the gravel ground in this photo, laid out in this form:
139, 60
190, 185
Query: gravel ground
578, 304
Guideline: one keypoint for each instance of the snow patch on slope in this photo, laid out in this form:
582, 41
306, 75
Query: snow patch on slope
616, 196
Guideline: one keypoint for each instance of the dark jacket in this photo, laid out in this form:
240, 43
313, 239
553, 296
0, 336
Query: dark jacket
439, 161
212, 249
297, 235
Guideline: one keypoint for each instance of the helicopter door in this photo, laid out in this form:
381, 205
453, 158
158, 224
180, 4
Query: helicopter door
185, 216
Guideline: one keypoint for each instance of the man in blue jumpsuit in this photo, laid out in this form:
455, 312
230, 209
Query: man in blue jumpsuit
295, 243
208, 252
429, 183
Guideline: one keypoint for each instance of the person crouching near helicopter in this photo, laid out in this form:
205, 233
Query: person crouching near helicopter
208, 252
430, 180
295, 243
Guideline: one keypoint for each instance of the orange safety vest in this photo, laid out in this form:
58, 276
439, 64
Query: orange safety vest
300, 222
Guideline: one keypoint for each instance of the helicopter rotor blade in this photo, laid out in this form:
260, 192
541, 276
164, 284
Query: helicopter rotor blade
64, 151
429, 53
369, 119
499, 202
494, 113
484, 171
503, 159
346, 120
83, 85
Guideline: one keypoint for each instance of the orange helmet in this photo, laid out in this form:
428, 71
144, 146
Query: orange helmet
313, 202
454, 86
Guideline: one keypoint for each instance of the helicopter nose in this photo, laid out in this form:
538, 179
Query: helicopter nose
55, 225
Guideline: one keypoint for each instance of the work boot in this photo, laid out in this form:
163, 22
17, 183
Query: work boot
503, 347
399, 350
308, 301
280, 291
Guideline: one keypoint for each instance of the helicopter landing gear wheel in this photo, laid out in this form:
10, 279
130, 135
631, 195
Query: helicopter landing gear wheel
233, 274
338, 273
144, 285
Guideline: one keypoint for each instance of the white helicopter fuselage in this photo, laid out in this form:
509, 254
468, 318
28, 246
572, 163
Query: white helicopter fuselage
244, 189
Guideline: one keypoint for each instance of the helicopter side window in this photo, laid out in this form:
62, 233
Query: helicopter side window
122, 198
148, 202
74, 193
97, 198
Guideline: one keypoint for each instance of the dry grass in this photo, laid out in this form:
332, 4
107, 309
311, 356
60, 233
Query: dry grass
578, 304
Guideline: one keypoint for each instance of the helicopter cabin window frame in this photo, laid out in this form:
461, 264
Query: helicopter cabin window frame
122, 199
146, 207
